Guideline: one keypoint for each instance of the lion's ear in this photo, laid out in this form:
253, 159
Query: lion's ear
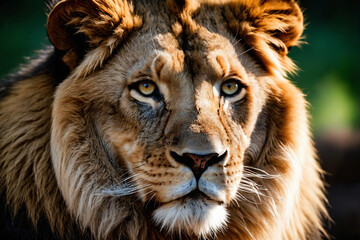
270, 28
76, 26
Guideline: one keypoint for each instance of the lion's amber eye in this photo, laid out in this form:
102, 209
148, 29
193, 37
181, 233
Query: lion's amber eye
230, 87
146, 87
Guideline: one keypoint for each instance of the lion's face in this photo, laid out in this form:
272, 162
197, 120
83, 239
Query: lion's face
181, 122
173, 116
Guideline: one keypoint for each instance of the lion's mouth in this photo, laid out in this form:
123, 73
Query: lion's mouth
198, 195
195, 195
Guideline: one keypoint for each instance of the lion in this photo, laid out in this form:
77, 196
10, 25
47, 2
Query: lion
161, 120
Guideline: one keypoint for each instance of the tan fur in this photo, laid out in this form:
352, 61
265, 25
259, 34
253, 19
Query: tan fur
93, 152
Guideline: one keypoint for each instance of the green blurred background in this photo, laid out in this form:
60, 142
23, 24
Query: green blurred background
329, 76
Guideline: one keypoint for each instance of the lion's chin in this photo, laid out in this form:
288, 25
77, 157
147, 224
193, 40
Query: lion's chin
196, 216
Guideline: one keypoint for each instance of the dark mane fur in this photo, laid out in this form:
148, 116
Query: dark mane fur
47, 61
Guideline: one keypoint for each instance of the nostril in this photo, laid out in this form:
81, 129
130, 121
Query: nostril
216, 159
198, 163
182, 159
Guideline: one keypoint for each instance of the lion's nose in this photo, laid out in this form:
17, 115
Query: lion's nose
198, 163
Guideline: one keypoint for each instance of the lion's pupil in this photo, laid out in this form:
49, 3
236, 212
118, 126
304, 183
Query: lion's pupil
230, 88
146, 88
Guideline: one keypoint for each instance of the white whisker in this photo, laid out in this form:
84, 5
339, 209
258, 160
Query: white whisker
237, 42
234, 38
145, 194
245, 51
250, 171
131, 176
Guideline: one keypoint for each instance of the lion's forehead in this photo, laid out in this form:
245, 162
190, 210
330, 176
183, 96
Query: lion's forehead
203, 54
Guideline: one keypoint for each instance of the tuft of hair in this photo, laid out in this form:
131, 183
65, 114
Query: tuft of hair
270, 28
96, 25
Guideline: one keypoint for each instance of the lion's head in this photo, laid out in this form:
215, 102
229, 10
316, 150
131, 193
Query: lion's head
176, 118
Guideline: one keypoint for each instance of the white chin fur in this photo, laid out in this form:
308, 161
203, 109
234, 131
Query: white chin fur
193, 216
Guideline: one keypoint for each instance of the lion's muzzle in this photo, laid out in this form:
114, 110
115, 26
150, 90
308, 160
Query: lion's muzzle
198, 163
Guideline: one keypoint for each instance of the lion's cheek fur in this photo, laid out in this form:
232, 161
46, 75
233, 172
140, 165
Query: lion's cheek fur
166, 185
80, 169
221, 183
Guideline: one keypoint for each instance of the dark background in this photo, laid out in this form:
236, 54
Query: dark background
329, 76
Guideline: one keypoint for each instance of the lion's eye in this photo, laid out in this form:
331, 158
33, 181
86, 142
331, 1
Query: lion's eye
145, 91
146, 87
230, 87
233, 90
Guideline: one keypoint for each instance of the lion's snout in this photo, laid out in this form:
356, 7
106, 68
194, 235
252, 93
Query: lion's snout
198, 163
